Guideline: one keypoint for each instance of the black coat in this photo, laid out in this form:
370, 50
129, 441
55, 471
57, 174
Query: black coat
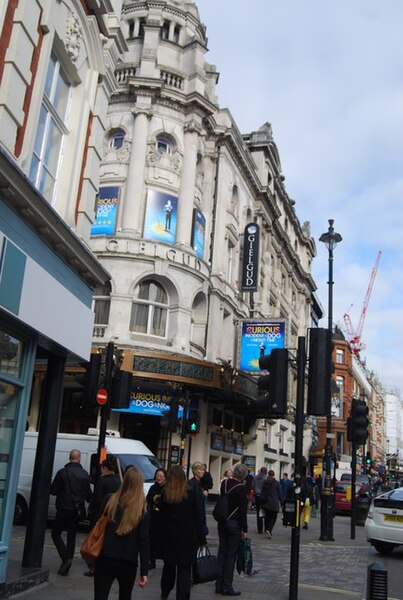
154, 511
271, 497
128, 547
106, 485
71, 485
181, 530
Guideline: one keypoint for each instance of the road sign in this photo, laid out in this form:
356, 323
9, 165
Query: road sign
102, 397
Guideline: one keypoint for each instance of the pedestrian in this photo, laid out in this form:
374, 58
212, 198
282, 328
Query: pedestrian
286, 487
71, 486
271, 500
226, 475
126, 537
108, 483
307, 499
231, 532
206, 481
153, 503
257, 489
198, 470
249, 488
181, 533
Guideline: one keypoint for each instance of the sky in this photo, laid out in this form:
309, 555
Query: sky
328, 76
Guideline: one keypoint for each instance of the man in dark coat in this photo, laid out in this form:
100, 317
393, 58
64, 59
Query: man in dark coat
196, 484
271, 500
231, 531
71, 486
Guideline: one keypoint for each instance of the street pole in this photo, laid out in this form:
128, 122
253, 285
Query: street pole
183, 428
109, 363
299, 434
327, 501
353, 479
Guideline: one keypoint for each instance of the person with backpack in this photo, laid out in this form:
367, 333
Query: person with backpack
232, 526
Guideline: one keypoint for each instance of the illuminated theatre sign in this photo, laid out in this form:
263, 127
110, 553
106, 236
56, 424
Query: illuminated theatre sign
250, 265
259, 338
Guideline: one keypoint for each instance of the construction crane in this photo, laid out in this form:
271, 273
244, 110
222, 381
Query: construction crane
354, 335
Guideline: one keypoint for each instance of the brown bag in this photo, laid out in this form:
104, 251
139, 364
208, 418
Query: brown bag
92, 546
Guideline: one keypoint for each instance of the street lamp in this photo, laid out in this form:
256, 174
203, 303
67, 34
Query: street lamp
330, 239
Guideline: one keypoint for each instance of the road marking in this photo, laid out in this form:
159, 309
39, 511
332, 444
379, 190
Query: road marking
328, 589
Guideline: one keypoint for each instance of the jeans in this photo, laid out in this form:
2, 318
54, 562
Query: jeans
65, 521
229, 536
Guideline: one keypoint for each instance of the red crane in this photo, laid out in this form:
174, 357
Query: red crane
354, 336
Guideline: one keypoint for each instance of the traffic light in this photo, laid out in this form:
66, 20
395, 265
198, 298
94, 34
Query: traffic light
121, 389
320, 362
89, 382
274, 385
193, 421
368, 461
358, 423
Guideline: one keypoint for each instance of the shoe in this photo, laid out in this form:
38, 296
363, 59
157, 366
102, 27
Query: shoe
65, 567
231, 593
305, 526
268, 534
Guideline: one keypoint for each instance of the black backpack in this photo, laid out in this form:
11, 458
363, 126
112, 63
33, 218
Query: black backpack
220, 511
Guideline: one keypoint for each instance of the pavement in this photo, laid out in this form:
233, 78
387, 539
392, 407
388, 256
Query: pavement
327, 570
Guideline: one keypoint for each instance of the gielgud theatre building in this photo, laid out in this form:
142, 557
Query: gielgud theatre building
197, 231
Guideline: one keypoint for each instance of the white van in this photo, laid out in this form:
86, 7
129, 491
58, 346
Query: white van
128, 452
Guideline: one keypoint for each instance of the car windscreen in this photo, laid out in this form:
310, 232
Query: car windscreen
147, 464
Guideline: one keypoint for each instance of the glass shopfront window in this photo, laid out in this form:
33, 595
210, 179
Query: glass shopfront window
11, 357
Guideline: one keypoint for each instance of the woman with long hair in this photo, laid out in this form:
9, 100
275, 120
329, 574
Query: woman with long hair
153, 502
127, 536
181, 533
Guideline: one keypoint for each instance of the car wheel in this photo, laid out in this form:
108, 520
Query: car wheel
20, 511
383, 547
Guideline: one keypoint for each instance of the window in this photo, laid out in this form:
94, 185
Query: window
51, 129
102, 304
176, 34
163, 145
116, 139
131, 29
165, 30
149, 309
340, 357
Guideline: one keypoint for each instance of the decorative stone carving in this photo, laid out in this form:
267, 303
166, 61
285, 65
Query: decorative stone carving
74, 36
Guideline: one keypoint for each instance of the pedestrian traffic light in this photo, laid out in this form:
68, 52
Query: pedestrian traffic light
358, 430
193, 421
88, 380
121, 389
320, 361
274, 386
368, 461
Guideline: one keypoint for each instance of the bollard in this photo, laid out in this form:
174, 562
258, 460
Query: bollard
377, 582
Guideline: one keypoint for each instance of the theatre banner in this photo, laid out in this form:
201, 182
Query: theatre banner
160, 219
106, 211
259, 338
250, 264
198, 232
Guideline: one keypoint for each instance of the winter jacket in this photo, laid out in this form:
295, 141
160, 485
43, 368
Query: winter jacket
71, 485
271, 497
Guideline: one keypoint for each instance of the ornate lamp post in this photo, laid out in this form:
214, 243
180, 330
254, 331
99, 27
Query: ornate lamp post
330, 239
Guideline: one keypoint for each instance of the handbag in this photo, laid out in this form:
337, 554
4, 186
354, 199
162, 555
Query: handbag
92, 546
244, 561
206, 567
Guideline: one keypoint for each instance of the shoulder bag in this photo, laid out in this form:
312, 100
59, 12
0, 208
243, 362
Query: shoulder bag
92, 546
206, 567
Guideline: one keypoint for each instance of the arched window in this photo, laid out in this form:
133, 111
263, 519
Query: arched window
149, 309
116, 139
164, 144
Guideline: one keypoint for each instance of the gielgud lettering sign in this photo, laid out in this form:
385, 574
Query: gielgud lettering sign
250, 265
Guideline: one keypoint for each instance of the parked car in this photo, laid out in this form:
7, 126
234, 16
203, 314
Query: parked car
384, 522
342, 499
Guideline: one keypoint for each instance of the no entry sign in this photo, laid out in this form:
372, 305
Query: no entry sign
102, 397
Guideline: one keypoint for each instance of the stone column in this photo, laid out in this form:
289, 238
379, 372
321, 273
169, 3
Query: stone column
133, 204
187, 186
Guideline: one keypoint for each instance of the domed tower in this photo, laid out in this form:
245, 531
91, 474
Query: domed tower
155, 186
